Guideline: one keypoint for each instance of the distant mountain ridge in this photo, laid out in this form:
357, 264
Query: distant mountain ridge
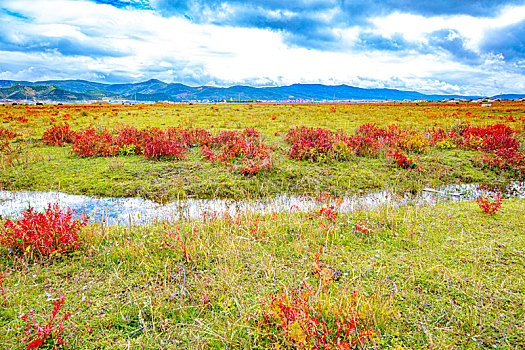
156, 90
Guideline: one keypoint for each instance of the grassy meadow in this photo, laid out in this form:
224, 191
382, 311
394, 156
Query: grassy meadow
41, 167
448, 276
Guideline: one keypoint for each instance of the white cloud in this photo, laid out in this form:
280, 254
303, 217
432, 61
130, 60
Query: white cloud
416, 27
176, 49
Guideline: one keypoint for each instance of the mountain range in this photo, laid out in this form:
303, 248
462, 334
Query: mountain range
156, 90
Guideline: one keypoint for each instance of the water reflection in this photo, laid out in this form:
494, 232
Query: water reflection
130, 211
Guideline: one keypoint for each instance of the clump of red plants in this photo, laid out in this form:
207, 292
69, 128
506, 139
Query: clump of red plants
52, 232
190, 137
48, 335
164, 148
308, 325
6, 134
490, 206
94, 143
500, 149
400, 159
328, 209
58, 135
364, 227
323, 145
245, 152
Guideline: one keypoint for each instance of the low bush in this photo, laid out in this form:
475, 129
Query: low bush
400, 159
308, 325
6, 134
162, 148
190, 137
93, 143
51, 232
58, 135
48, 336
488, 206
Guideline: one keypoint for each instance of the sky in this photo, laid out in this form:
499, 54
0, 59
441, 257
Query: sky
474, 47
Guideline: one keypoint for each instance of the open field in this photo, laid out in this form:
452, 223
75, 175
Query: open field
41, 167
426, 278
412, 277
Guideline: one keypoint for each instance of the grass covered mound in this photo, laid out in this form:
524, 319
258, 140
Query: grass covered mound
440, 277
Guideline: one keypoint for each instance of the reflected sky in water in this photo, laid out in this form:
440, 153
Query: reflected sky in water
134, 211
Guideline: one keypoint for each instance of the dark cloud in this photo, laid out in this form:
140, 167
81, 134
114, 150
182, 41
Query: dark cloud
140, 4
475, 8
16, 15
310, 23
508, 41
371, 41
451, 42
64, 46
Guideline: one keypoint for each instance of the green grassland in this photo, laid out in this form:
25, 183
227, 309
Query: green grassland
445, 277
41, 167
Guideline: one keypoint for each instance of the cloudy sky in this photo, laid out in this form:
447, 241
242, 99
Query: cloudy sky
468, 47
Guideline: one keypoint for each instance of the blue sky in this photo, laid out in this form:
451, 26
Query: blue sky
468, 47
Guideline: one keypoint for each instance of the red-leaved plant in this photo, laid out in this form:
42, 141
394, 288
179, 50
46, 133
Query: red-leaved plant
488, 206
6, 134
48, 233
36, 334
181, 242
400, 159
93, 143
329, 207
58, 135
364, 227
309, 326
163, 148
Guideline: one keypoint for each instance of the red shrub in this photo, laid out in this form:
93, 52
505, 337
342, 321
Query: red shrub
505, 159
328, 208
312, 150
387, 136
309, 134
363, 146
319, 145
36, 334
208, 154
163, 148
490, 207
129, 136
226, 136
190, 137
493, 137
92, 143
308, 326
364, 227
243, 148
53, 231
6, 134
250, 151
400, 159
58, 135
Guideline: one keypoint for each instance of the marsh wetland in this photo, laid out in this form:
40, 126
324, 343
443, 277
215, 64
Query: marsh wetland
263, 226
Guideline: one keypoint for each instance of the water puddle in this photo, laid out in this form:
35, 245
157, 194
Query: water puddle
135, 211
